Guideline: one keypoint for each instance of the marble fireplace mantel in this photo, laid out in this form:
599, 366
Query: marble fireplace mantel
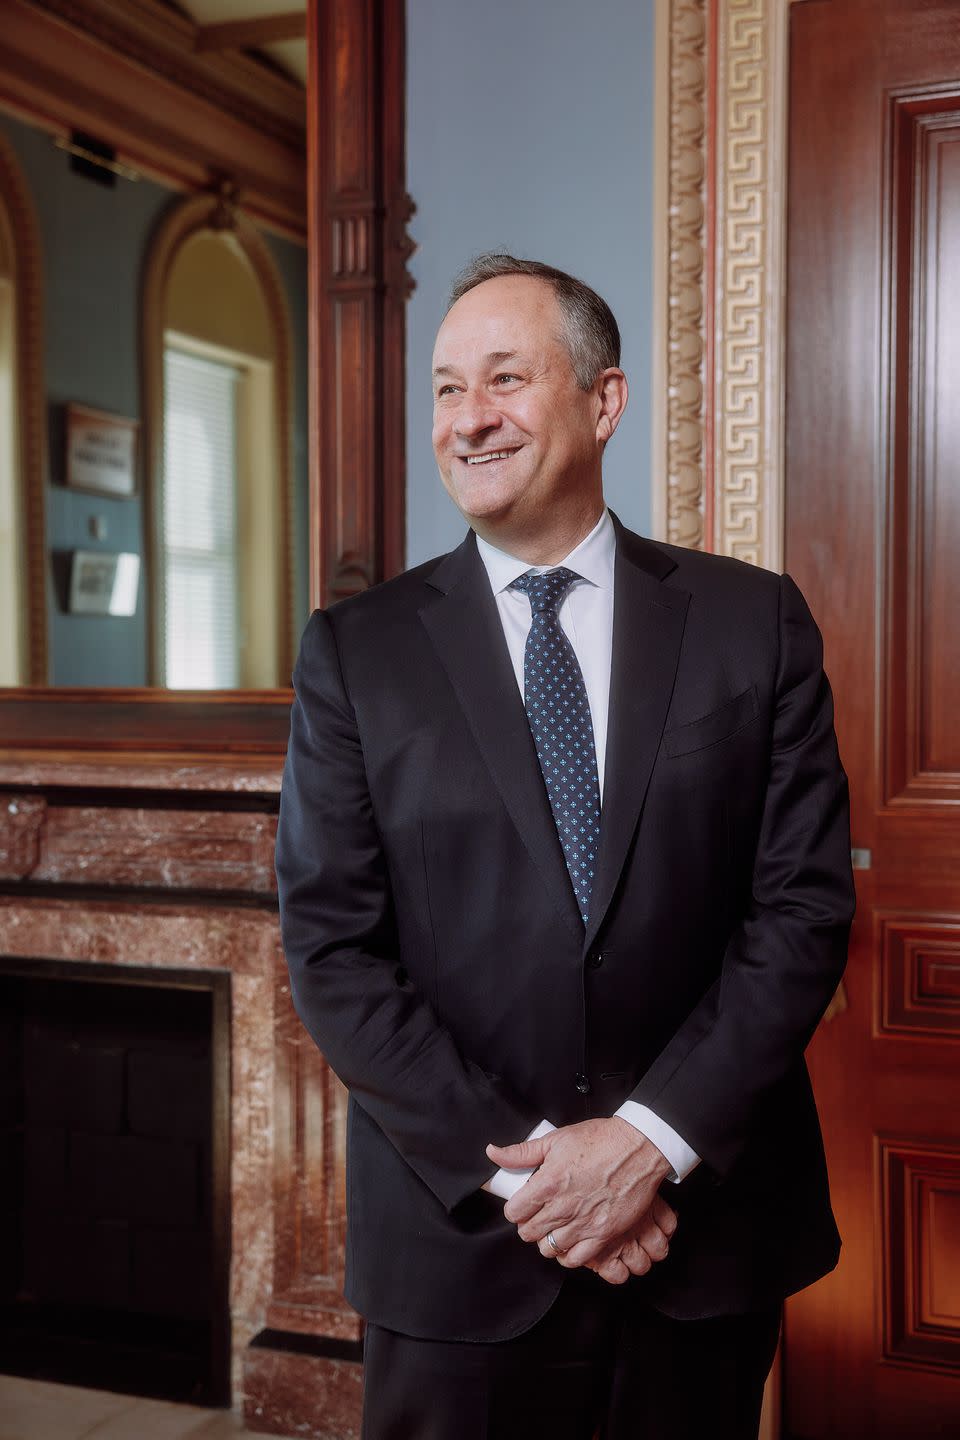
128, 884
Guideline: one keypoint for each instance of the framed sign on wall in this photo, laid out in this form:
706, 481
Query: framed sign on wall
101, 452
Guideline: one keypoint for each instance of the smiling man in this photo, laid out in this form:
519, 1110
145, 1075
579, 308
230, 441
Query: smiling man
565, 887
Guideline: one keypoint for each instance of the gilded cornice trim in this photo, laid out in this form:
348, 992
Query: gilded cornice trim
214, 211
31, 407
740, 129
685, 273
747, 429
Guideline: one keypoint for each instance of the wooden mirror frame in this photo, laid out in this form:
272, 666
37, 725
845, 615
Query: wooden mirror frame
31, 430
357, 208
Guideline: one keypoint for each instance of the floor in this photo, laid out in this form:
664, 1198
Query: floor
37, 1410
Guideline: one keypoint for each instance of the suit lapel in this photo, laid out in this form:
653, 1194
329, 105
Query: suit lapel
464, 627
648, 622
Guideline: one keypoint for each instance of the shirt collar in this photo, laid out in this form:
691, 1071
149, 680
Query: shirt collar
593, 558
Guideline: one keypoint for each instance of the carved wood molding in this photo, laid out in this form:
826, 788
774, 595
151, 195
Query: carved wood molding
168, 42
244, 34
358, 288
357, 470
218, 211
17, 204
747, 312
685, 273
726, 213
181, 731
126, 73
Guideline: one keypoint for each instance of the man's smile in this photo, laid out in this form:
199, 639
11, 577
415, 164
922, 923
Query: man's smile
485, 456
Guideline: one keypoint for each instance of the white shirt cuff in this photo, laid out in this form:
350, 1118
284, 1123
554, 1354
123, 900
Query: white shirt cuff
668, 1142
507, 1182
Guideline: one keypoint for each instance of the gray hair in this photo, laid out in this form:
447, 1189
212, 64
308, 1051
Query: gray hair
590, 332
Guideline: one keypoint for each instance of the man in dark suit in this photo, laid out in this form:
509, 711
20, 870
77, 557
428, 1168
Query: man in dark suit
564, 868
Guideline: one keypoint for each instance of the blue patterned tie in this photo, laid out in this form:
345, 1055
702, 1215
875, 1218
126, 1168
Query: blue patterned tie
559, 715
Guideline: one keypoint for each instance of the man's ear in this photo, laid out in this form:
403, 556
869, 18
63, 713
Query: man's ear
612, 392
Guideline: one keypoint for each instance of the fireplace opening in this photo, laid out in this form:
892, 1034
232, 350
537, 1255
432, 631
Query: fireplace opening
114, 1178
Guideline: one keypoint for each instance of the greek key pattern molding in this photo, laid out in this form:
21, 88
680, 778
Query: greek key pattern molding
739, 453
747, 436
737, 124
685, 272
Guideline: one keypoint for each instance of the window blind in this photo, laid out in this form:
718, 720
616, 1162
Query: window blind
199, 514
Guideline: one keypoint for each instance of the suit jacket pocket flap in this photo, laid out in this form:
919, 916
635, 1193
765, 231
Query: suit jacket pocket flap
711, 729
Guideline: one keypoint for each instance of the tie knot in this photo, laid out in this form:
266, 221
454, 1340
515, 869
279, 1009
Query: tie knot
545, 590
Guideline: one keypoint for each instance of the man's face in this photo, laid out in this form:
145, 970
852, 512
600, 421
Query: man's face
513, 433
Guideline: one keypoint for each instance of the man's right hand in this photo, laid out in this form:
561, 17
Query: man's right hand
639, 1251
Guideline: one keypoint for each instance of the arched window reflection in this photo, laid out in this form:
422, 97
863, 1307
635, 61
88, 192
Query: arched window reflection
218, 353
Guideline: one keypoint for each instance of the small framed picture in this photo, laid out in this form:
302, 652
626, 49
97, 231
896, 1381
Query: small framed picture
104, 583
101, 452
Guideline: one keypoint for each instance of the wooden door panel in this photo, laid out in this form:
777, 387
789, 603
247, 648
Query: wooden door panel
873, 538
939, 451
919, 958
923, 512
921, 1195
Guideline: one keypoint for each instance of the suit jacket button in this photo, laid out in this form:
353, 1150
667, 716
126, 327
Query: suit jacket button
595, 959
582, 1084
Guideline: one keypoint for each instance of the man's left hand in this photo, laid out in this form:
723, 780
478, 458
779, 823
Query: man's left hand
595, 1183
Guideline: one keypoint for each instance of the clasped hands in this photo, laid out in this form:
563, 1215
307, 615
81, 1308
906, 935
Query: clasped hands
595, 1190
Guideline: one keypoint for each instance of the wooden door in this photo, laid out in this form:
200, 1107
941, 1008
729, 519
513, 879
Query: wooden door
873, 538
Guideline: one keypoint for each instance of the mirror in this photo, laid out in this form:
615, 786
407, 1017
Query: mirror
153, 427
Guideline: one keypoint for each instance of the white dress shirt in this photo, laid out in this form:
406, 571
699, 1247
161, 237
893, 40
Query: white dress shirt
586, 618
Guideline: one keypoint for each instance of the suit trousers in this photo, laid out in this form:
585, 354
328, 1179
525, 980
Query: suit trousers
601, 1363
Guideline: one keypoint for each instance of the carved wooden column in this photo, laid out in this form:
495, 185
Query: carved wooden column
302, 1372
358, 287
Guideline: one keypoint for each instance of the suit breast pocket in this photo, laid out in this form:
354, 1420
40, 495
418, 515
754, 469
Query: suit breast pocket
711, 729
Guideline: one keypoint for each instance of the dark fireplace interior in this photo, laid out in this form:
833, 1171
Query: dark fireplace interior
114, 1174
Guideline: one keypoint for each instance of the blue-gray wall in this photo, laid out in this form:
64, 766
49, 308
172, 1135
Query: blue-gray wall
530, 129
93, 241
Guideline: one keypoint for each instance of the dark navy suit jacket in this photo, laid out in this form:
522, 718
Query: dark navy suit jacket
438, 959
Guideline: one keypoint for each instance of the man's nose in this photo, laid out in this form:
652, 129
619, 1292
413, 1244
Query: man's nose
473, 417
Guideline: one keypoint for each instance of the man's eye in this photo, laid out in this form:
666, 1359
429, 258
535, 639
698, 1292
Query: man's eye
446, 390
505, 377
